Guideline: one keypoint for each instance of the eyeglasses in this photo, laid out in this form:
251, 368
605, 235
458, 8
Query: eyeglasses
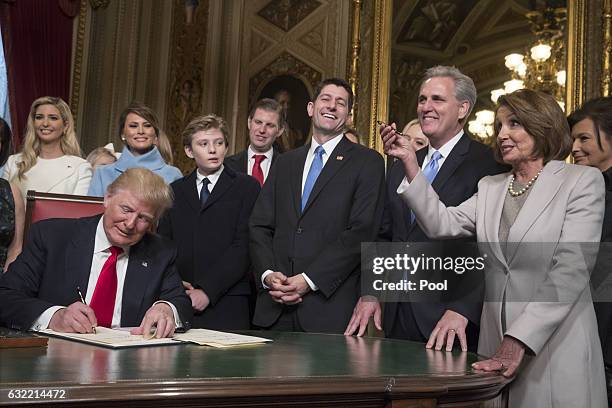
381, 123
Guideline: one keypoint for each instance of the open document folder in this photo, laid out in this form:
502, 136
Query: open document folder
115, 338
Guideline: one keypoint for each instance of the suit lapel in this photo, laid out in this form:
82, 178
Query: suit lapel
454, 159
297, 170
136, 282
243, 161
494, 204
335, 161
542, 193
79, 253
189, 190
224, 182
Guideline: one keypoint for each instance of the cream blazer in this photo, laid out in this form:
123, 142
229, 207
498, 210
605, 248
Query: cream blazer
541, 287
64, 175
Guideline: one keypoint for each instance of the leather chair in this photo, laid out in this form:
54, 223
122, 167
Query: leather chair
40, 206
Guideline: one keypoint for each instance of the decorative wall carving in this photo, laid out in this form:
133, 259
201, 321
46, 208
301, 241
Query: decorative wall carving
314, 39
96, 4
286, 14
285, 64
187, 62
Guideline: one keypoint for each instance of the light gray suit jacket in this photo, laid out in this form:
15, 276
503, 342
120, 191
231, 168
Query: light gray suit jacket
538, 284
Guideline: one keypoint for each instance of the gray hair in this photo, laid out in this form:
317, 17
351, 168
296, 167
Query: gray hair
465, 90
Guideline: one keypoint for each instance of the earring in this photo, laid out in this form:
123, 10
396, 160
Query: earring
123, 138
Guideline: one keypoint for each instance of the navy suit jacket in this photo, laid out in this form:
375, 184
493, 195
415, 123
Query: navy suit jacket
456, 181
323, 241
213, 245
57, 259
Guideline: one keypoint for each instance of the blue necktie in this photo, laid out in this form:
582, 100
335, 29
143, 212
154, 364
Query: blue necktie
315, 169
432, 167
204, 193
429, 172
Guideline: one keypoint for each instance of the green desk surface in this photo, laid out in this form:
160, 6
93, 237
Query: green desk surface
295, 363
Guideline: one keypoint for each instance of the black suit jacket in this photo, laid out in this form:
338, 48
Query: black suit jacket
239, 161
213, 245
343, 210
57, 259
456, 181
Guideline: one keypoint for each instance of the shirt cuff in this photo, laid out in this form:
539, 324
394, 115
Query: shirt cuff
44, 319
310, 283
177, 319
403, 186
263, 278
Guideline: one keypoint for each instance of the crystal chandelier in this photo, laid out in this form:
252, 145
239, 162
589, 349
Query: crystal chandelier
542, 68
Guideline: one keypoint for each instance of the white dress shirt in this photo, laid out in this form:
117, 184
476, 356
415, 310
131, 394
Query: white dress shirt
445, 150
328, 147
265, 163
213, 178
100, 254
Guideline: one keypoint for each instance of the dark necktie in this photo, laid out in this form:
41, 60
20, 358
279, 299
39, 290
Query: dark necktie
103, 299
204, 193
257, 172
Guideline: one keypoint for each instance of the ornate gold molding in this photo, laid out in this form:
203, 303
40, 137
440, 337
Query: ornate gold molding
606, 74
381, 61
576, 20
78, 60
355, 49
96, 4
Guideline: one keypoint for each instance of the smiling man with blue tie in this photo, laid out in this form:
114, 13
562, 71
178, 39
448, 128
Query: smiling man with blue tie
319, 203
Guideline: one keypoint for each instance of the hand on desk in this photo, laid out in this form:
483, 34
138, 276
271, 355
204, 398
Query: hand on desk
451, 324
161, 316
286, 290
199, 298
366, 306
506, 359
76, 318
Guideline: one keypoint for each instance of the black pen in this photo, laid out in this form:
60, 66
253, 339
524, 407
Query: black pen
85, 303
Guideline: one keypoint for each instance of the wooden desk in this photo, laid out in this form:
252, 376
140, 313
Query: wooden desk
296, 370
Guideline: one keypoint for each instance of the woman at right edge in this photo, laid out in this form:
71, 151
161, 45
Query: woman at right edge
538, 323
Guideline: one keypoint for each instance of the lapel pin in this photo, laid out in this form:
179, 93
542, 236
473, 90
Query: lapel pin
339, 157
145, 264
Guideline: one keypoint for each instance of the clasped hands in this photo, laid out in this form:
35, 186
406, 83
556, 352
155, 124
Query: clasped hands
286, 290
80, 318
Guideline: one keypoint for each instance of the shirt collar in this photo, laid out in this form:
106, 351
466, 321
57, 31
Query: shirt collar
446, 149
328, 146
101, 242
212, 178
268, 154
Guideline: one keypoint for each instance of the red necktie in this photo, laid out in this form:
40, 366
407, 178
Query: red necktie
257, 172
103, 299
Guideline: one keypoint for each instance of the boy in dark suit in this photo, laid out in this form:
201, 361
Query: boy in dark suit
209, 223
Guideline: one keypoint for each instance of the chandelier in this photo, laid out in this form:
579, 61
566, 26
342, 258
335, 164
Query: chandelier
542, 68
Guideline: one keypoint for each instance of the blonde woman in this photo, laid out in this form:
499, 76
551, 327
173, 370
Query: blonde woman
50, 160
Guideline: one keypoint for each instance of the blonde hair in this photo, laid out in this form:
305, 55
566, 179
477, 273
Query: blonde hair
99, 152
164, 147
31, 145
146, 185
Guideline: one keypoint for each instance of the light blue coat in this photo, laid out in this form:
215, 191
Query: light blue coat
104, 175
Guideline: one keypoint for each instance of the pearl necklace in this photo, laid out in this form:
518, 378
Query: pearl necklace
524, 189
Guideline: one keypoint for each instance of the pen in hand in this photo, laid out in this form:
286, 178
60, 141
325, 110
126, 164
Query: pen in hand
83, 301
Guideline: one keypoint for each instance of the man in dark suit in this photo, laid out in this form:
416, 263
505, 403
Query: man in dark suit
127, 274
266, 123
445, 101
321, 201
209, 222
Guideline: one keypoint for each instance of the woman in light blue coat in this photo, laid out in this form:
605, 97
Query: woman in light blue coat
139, 129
